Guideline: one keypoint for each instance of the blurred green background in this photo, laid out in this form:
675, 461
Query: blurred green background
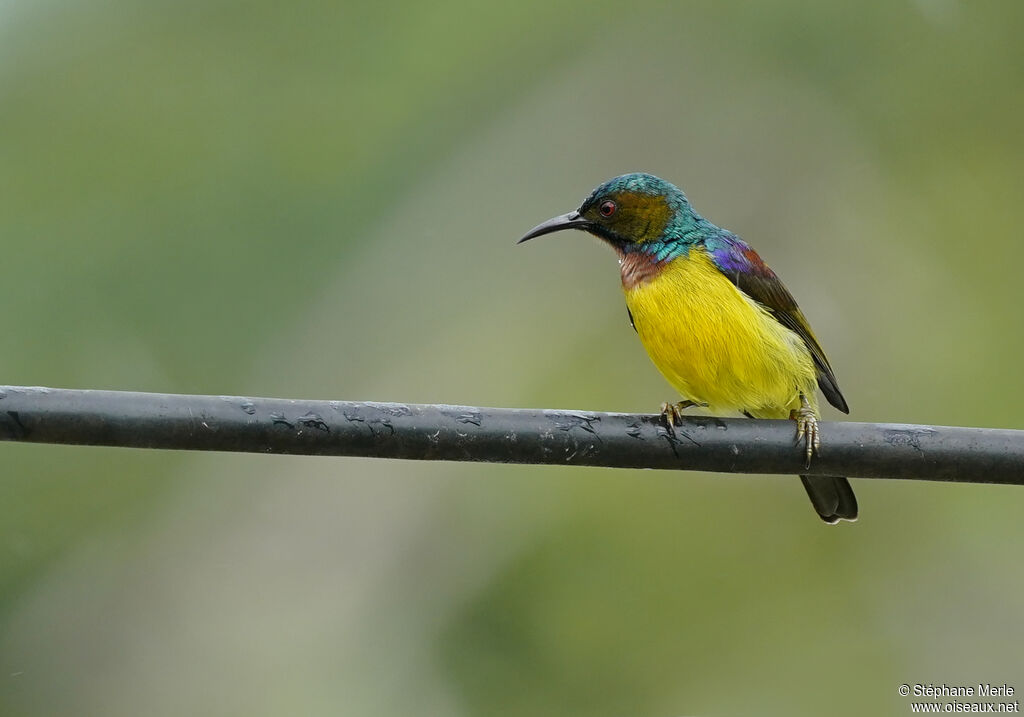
321, 199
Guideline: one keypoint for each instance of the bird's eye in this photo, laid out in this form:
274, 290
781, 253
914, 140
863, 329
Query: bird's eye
607, 208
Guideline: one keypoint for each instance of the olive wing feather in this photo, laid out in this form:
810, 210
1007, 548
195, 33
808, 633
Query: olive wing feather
744, 268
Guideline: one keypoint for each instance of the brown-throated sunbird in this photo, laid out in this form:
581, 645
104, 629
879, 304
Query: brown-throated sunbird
715, 320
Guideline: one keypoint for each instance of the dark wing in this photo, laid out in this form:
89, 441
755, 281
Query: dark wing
744, 268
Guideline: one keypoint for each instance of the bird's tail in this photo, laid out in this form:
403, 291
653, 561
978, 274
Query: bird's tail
832, 497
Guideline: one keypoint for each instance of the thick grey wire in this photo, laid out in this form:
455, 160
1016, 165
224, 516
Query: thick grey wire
503, 435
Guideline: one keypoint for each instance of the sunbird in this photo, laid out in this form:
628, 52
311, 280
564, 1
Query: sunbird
715, 320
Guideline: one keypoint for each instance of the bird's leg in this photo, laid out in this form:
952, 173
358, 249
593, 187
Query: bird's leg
672, 413
807, 428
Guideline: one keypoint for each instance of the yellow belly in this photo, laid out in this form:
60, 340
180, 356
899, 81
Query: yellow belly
717, 346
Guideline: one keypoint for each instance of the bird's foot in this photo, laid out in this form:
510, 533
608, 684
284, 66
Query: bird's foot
672, 413
807, 428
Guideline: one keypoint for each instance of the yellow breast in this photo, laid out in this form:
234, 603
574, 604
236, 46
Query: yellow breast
714, 344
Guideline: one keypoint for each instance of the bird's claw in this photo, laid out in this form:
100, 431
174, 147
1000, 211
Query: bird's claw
672, 413
807, 430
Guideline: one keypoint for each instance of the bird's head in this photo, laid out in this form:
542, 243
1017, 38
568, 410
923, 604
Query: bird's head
633, 212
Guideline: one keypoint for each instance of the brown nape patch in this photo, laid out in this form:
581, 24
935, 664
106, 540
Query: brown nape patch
637, 268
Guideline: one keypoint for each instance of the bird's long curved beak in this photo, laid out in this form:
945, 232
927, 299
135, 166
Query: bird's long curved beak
572, 220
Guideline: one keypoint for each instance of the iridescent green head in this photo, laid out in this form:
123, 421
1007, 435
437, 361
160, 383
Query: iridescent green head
633, 212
